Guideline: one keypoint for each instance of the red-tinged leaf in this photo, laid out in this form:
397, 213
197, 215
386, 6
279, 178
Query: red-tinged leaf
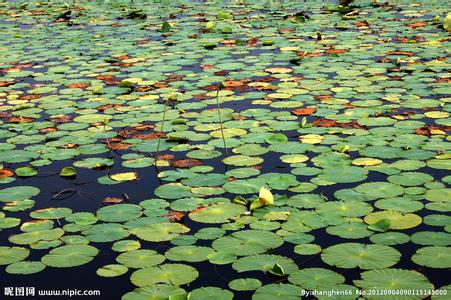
194, 211
174, 216
4, 173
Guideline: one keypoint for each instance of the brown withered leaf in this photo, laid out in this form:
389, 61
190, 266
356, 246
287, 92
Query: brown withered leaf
407, 53
186, 163
304, 111
150, 136
118, 146
20, 119
166, 157
112, 200
78, 85
144, 127
417, 25
63, 119
29, 97
4, 115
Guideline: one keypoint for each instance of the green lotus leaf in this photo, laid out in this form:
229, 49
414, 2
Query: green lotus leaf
376, 190
25, 267
313, 278
173, 191
175, 274
349, 230
18, 193
431, 238
245, 284
241, 187
248, 242
205, 180
82, 218
126, 245
344, 208
437, 220
434, 257
344, 174
25, 172
160, 231
93, 162
157, 291
141, 162
217, 213
282, 181
69, 256
277, 291
102, 233
397, 220
188, 253
68, 172
8, 222
390, 238
140, 258
51, 213
119, 212
442, 164
394, 280
243, 172
35, 236
438, 195
210, 292
401, 204
264, 262
209, 233
367, 257
17, 156
242, 160
92, 118
221, 257
112, 270
307, 249
410, 178
9, 255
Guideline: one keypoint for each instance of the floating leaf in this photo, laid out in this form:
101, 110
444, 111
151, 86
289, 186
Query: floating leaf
69, 256
351, 255
175, 274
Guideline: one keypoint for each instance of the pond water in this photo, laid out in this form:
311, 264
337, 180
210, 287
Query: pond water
325, 170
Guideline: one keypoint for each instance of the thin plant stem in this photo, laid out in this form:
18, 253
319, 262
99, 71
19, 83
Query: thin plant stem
220, 123
159, 137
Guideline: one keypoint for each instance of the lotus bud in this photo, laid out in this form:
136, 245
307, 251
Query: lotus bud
265, 197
